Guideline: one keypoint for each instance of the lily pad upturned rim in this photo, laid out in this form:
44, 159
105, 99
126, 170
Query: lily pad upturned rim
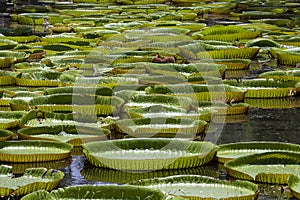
195, 179
30, 173
14, 115
268, 146
86, 133
31, 157
108, 191
202, 153
6, 135
189, 126
265, 159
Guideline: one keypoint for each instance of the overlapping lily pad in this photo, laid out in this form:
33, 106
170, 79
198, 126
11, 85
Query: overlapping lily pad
35, 118
10, 119
231, 151
97, 192
270, 167
201, 187
32, 180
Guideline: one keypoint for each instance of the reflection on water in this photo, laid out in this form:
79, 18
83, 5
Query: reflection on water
93, 173
280, 125
73, 173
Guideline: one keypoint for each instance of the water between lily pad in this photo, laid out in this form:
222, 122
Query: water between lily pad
280, 125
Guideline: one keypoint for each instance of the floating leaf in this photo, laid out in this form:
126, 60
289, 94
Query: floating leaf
271, 167
10, 119
148, 154
6, 135
231, 151
33, 151
32, 180
201, 187
101, 105
294, 184
74, 135
156, 126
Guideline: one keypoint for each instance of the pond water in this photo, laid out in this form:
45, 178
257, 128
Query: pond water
261, 124
280, 125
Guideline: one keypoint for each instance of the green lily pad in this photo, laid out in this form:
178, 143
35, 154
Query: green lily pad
10, 119
171, 112
143, 100
148, 154
201, 187
32, 180
294, 184
200, 92
231, 151
223, 108
20, 168
35, 118
110, 191
270, 103
74, 135
157, 126
100, 105
270, 167
6, 135
267, 88
33, 151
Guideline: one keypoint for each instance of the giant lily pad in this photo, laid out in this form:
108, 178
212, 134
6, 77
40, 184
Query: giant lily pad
39, 79
143, 100
201, 187
222, 108
148, 154
101, 105
74, 135
171, 112
36, 118
282, 75
270, 103
6, 135
200, 92
270, 167
33, 151
231, 151
33, 179
10, 119
156, 126
97, 192
268, 88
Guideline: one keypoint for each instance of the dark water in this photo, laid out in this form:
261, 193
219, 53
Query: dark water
282, 125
